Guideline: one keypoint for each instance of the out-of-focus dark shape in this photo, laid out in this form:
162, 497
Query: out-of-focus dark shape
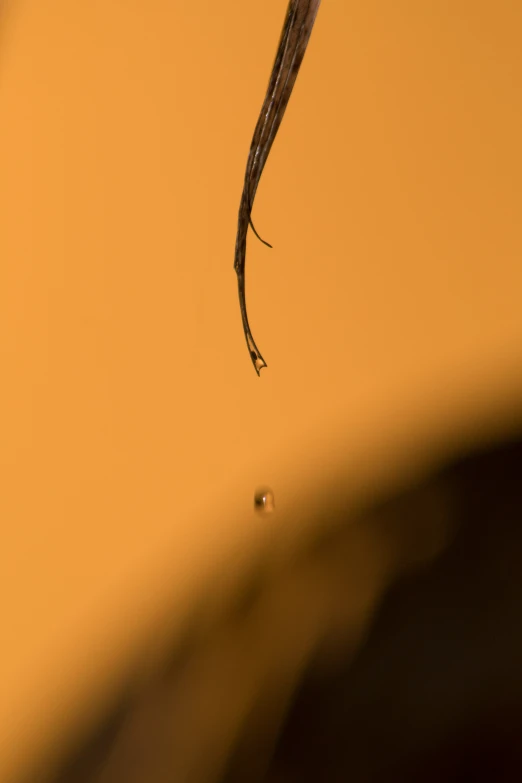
435, 694
387, 647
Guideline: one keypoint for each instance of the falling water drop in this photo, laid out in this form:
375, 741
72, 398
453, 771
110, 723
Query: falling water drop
264, 500
258, 361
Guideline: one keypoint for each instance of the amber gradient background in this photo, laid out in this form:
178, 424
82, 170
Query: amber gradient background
134, 429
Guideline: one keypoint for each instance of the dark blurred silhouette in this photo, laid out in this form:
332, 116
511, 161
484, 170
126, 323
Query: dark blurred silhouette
291, 684
436, 691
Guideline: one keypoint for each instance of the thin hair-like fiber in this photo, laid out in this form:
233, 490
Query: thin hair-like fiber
300, 18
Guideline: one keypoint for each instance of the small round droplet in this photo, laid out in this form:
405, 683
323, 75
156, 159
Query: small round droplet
264, 500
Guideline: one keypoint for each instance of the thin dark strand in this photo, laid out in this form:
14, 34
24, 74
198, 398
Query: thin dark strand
261, 150
297, 28
280, 106
278, 116
274, 80
257, 235
268, 104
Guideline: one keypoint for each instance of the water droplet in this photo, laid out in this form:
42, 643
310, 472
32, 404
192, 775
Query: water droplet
264, 500
259, 363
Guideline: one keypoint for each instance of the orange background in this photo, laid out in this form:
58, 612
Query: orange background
132, 421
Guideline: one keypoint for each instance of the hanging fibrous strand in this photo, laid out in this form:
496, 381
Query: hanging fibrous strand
300, 18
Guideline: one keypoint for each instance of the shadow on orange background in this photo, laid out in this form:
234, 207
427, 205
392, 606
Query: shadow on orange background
388, 311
